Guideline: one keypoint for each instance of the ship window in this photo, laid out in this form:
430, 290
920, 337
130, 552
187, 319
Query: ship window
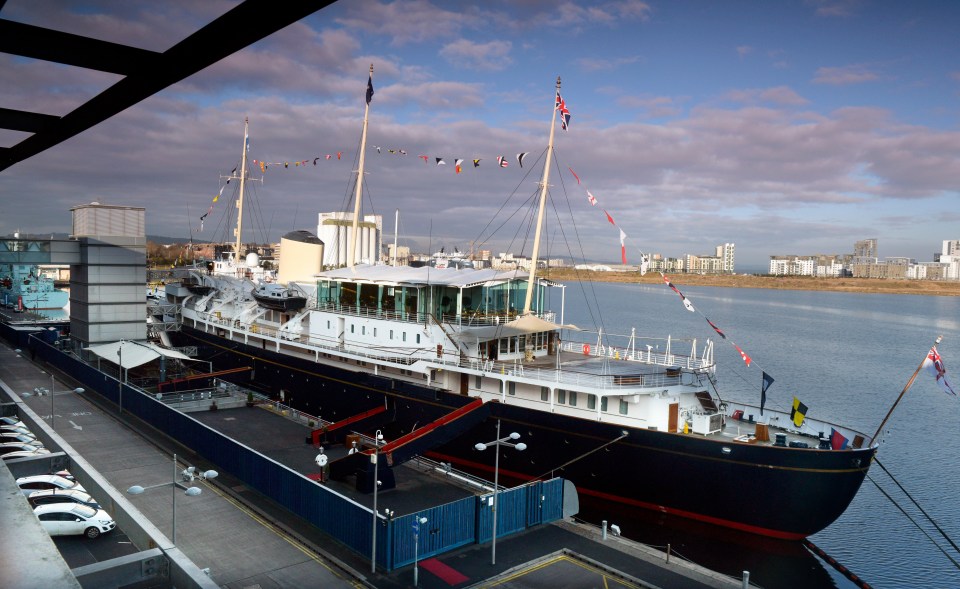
363, 330
391, 334
623, 407
511, 388
374, 332
404, 336
561, 396
591, 401
478, 382
352, 326
418, 338
573, 398
544, 394
603, 403
328, 324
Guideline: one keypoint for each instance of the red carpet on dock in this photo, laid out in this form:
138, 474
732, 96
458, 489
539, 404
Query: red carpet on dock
449, 575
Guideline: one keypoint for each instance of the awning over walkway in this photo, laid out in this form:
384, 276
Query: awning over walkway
520, 326
134, 354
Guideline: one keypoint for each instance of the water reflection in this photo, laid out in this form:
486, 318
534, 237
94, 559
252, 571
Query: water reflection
773, 564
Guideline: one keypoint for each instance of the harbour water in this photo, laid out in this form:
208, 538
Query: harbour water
847, 357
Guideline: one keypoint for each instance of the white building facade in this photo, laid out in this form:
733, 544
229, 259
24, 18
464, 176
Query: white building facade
335, 230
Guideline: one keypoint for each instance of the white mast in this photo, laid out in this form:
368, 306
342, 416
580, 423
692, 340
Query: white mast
359, 192
243, 176
543, 205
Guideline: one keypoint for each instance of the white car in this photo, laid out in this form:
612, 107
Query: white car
25, 438
16, 429
25, 453
38, 498
17, 446
42, 482
65, 519
9, 420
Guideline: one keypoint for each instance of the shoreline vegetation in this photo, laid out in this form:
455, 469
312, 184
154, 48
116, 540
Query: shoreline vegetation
859, 285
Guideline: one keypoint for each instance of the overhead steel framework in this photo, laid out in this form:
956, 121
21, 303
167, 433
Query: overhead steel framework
145, 72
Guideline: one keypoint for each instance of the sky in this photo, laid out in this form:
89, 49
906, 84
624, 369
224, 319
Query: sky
788, 127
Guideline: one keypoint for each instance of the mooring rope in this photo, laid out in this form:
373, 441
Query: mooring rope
914, 501
833, 562
912, 520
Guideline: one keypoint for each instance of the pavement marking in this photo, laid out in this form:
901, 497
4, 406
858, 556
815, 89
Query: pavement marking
284, 536
607, 577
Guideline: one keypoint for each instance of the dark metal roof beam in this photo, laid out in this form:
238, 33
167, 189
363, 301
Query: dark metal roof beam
244, 25
29, 122
69, 49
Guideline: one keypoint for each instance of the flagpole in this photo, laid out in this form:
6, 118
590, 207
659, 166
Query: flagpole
352, 249
904, 391
534, 257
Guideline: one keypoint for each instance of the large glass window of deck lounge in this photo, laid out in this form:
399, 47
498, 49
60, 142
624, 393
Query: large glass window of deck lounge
519, 343
502, 299
370, 297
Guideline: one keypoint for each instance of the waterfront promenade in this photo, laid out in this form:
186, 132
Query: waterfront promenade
244, 539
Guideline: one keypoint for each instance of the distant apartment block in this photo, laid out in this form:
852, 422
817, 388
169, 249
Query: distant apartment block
658, 263
865, 249
820, 265
864, 263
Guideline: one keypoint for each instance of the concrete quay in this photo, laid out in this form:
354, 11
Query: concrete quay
233, 537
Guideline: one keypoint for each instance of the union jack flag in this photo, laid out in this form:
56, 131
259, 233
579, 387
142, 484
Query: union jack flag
561, 105
935, 365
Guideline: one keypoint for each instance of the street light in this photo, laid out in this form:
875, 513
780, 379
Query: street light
53, 414
496, 477
189, 474
376, 484
419, 521
120, 377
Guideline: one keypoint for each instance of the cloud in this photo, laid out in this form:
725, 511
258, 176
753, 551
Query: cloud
492, 56
846, 75
835, 8
596, 65
407, 22
782, 95
744, 50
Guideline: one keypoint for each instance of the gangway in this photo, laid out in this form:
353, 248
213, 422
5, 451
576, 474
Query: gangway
336, 431
407, 447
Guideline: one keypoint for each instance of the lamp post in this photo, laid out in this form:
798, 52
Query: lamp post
53, 414
120, 377
419, 521
505, 441
188, 475
376, 484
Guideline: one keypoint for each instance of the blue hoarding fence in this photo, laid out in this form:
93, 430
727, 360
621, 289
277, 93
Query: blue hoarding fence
448, 526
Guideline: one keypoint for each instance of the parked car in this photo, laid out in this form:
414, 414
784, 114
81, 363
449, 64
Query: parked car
61, 519
42, 482
15, 437
10, 420
19, 428
24, 453
17, 447
38, 498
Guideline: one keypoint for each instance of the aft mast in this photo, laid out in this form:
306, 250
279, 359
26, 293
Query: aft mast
543, 204
243, 176
363, 151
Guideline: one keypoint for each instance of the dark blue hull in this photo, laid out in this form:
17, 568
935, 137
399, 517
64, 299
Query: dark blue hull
774, 491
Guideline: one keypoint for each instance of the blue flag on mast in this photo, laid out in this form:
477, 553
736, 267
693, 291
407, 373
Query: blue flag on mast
767, 381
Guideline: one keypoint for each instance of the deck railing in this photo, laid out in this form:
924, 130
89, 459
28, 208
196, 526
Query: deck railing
406, 357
